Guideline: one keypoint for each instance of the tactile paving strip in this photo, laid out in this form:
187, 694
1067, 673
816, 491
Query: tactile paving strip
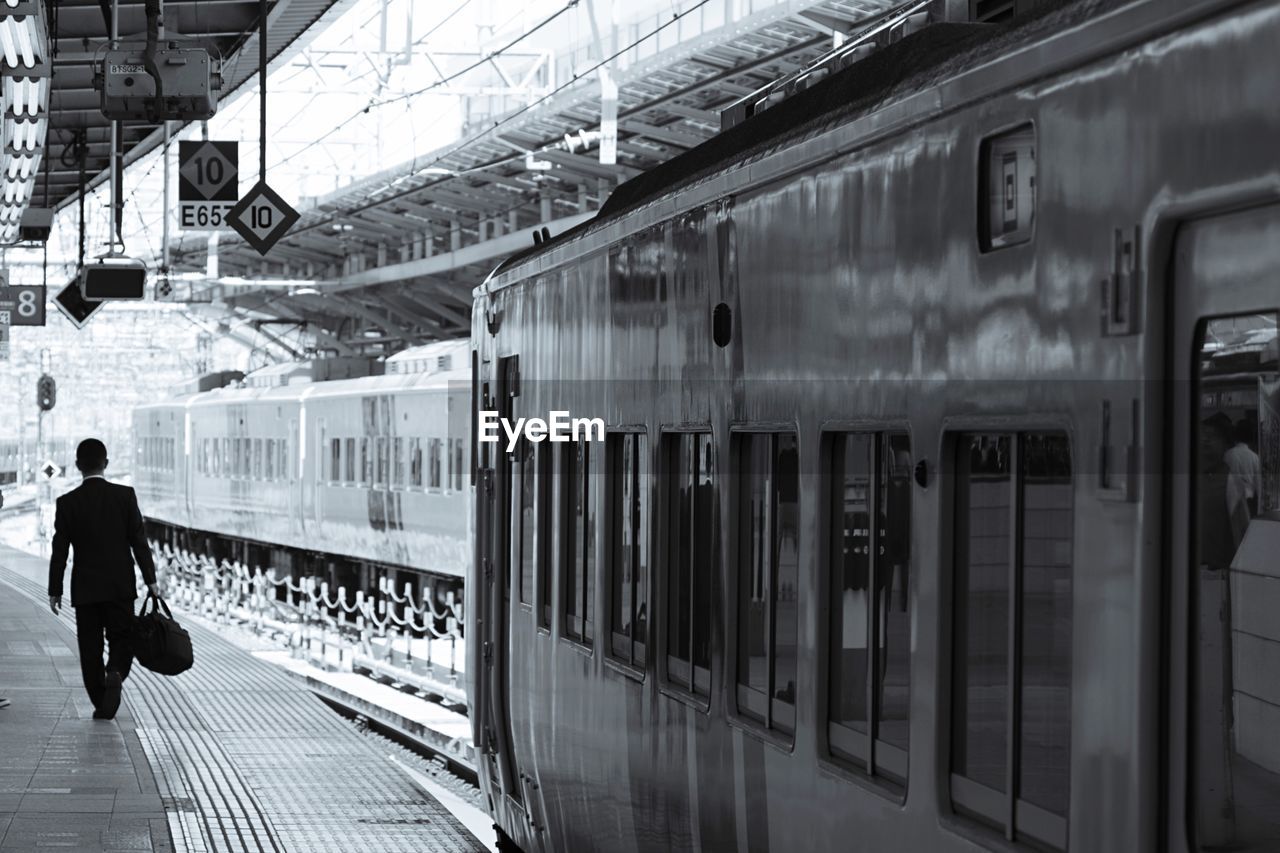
248, 760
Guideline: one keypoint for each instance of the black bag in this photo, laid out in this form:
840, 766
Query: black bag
159, 643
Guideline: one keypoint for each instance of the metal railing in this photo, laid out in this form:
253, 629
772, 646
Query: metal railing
397, 637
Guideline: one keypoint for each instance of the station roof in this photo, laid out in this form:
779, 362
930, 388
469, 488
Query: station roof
80, 30
391, 260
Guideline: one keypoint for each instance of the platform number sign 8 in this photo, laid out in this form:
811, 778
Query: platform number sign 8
22, 305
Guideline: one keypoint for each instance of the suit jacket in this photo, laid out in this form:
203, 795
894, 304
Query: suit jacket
102, 522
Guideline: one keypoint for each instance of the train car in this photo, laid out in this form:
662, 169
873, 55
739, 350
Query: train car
352, 479
10, 462
893, 541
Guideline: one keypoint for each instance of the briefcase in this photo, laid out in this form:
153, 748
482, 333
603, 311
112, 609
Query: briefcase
160, 643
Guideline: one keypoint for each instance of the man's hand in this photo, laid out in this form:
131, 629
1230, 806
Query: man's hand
55, 603
154, 589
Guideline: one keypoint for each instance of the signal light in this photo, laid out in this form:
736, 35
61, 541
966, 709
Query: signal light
46, 393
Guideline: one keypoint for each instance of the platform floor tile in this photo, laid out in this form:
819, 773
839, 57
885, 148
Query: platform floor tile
233, 755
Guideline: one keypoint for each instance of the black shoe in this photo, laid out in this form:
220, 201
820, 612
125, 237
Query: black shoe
111, 694
98, 715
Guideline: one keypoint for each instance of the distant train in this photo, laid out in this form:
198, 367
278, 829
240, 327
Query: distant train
920, 523
19, 459
352, 479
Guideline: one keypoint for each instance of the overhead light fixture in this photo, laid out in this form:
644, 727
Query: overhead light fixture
23, 133
26, 96
24, 40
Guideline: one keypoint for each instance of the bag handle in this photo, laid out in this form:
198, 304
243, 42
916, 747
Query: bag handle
158, 604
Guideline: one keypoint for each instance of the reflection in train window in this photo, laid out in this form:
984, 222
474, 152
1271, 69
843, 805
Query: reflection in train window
350, 461
1011, 701
335, 460
397, 462
366, 462
628, 548
768, 505
870, 618
578, 543
524, 488
688, 504
1235, 708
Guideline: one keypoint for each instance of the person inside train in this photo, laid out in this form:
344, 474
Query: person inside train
1222, 510
102, 522
1244, 464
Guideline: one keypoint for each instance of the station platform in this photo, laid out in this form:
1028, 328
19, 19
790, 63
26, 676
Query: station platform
233, 755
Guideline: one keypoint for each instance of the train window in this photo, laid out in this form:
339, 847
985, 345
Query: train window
415, 462
1235, 700
335, 460
433, 463
257, 459
1007, 177
285, 466
768, 502
870, 629
458, 469
349, 459
542, 568
397, 462
1011, 644
628, 537
383, 470
236, 455
366, 462
578, 548
269, 462
688, 502
523, 544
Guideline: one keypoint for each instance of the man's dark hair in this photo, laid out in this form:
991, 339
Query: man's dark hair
91, 455
1246, 430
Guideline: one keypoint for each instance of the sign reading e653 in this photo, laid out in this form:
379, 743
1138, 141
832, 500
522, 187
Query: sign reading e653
208, 185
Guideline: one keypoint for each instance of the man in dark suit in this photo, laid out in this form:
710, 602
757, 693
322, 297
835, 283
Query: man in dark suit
102, 522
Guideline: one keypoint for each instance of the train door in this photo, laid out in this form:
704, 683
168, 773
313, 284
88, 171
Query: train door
496, 573
1224, 533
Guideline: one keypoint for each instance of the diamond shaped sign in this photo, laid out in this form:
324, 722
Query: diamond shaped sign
50, 470
206, 168
262, 217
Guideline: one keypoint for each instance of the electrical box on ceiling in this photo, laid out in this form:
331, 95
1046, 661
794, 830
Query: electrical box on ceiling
189, 83
113, 277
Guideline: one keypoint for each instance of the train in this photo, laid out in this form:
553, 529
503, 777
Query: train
348, 480
918, 523
19, 458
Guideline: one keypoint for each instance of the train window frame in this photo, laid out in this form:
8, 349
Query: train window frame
349, 461
635, 662
416, 479
764, 714
579, 630
524, 463
970, 801
845, 750
694, 691
987, 243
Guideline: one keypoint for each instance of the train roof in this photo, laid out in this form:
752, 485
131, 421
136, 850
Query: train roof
912, 64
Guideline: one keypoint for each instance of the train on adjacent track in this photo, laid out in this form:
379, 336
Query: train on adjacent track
350, 480
893, 542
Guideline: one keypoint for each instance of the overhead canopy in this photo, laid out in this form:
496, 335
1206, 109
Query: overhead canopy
80, 30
